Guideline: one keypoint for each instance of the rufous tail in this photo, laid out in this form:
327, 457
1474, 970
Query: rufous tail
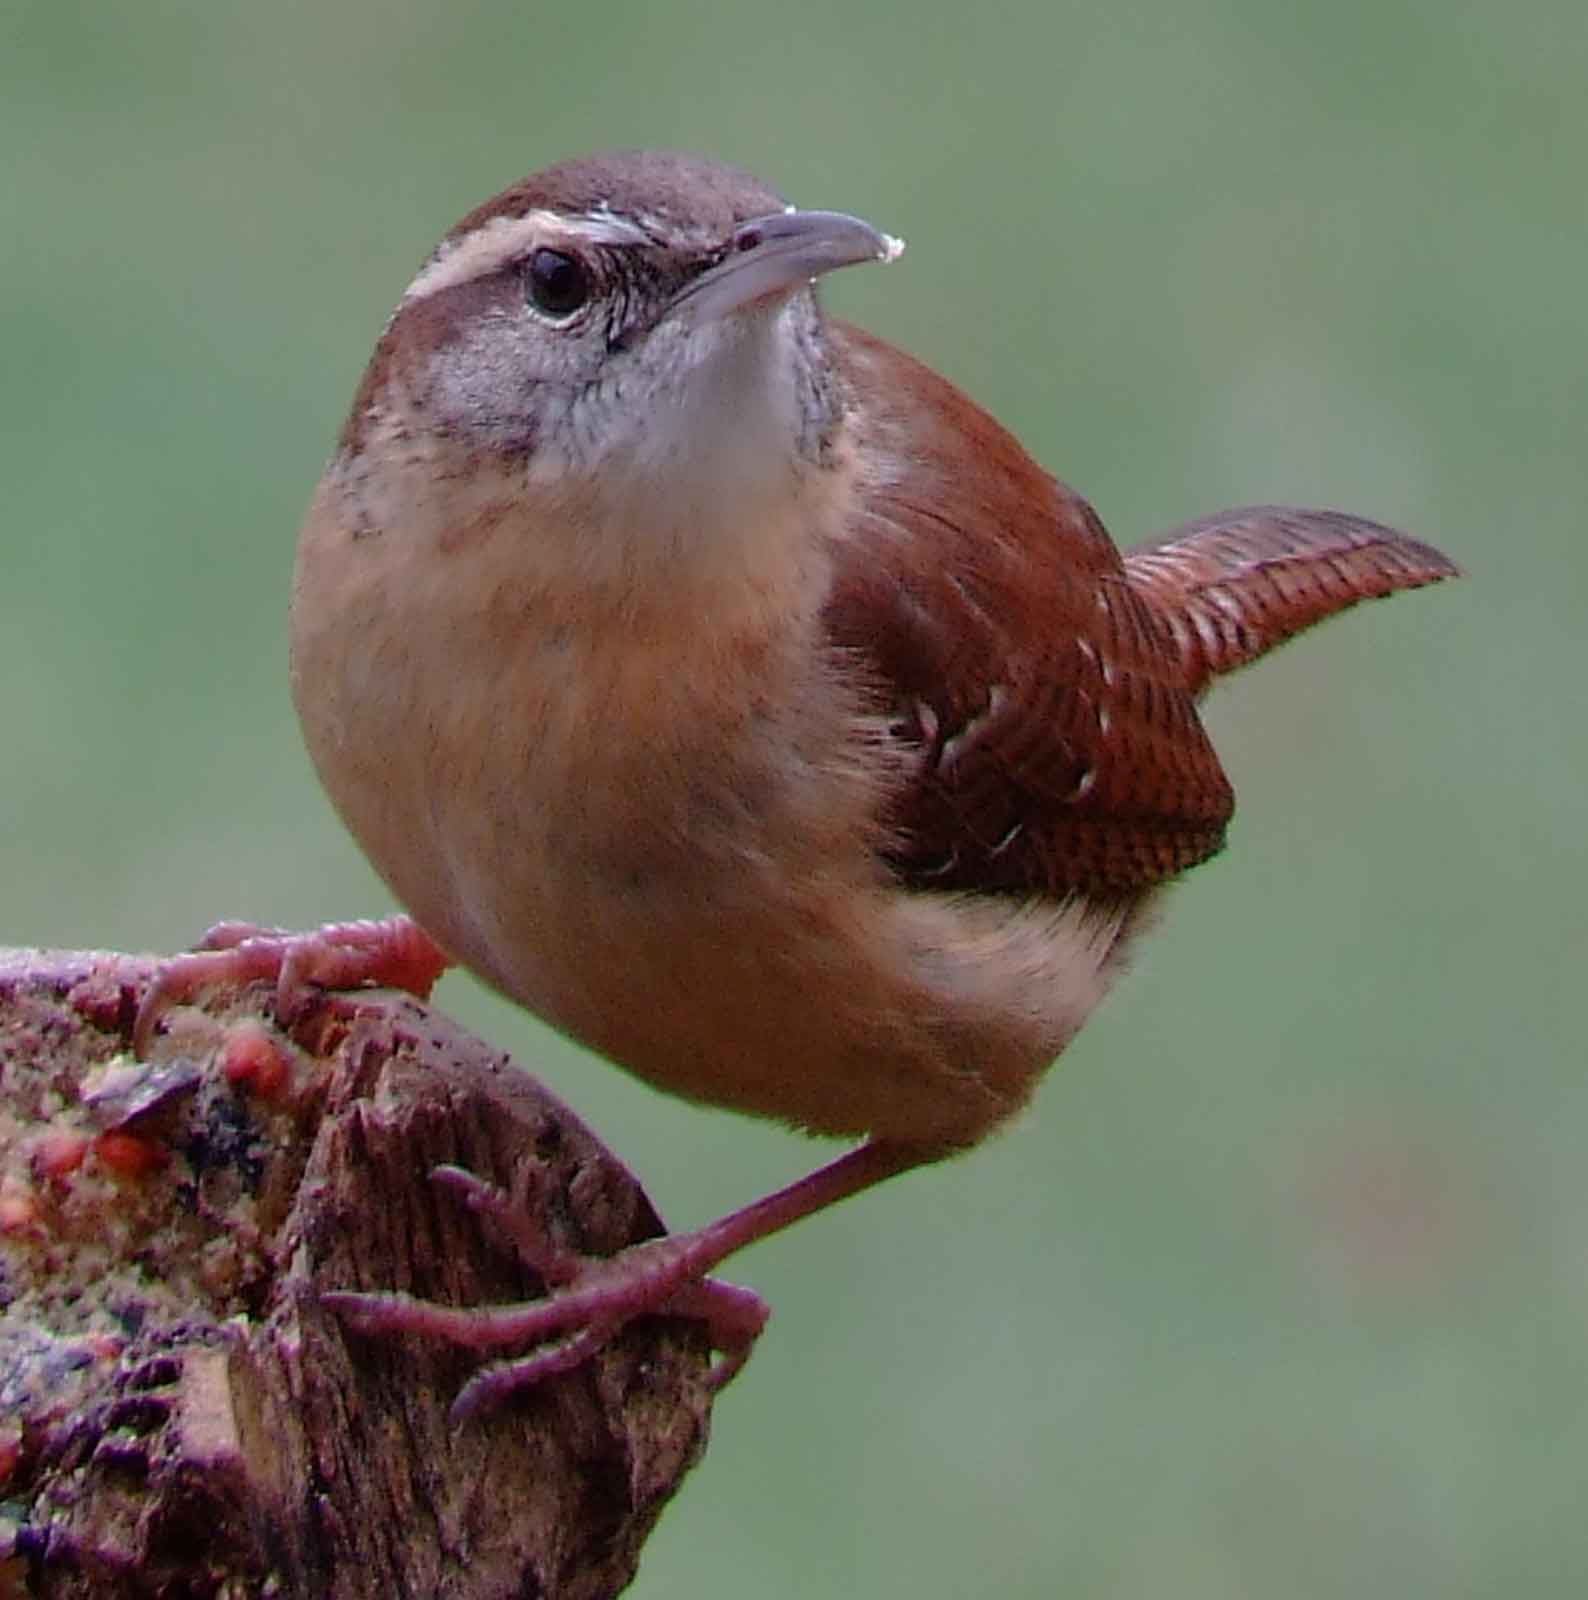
1232, 586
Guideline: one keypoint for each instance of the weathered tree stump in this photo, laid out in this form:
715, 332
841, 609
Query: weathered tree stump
180, 1418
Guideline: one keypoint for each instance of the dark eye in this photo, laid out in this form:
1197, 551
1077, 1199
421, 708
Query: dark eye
555, 283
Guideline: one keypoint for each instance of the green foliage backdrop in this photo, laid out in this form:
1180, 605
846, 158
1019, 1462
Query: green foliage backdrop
1283, 1287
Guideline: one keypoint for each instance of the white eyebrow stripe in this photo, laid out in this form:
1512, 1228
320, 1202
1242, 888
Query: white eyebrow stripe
501, 239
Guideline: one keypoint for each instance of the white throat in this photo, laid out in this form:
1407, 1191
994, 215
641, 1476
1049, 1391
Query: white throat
688, 478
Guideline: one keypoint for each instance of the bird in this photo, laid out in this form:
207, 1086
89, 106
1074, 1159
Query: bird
722, 685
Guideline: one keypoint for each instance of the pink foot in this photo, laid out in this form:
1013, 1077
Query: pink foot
589, 1300
395, 953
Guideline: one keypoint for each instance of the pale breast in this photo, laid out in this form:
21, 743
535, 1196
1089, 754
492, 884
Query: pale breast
654, 819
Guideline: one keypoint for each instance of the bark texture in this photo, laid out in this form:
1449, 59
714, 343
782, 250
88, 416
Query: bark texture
179, 1418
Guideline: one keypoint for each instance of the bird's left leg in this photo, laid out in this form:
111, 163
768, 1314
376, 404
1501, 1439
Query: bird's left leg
589, 1299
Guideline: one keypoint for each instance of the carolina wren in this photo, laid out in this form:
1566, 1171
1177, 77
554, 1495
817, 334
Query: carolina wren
725, 687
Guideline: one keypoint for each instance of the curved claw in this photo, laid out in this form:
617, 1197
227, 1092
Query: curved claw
491, 1385
516, 1219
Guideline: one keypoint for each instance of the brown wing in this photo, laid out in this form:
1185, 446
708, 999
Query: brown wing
1231, 586
1057, 747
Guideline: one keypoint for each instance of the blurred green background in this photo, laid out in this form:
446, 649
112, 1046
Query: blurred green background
1282, 1289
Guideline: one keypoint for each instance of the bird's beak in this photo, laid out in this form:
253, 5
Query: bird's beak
772, 255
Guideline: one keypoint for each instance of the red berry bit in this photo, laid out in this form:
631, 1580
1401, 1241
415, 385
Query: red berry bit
252, 1060
128, 1155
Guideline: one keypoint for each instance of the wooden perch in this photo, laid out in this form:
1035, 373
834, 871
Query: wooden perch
178, 1417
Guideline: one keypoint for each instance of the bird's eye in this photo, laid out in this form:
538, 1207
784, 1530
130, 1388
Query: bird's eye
556, 284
